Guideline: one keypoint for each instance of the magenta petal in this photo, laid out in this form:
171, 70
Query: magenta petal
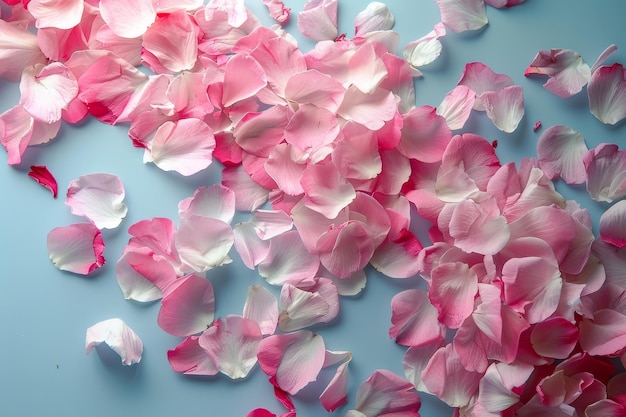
44, 177
118, 336
190, 358
76, 248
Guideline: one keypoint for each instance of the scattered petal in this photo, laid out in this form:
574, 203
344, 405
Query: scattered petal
607, 94
118, 336
99, 197
44, 177
561, 150
318, 20
462, 15
566, 70
76, 248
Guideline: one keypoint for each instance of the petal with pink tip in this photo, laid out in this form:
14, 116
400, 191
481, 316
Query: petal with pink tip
505, 107
293, 359
187, 308
188, 357
371, 110
44, 177
604, 334
325, 189
335, 393
118, 336
555, 337
128, 19
63, 14
288, 260
414, 320
99, 197
262, 307
613, 224
385, 393
203, 243
462, 15
496, 387
561, 150
567, 71
318, 20
232, 345
76, 248
243, 78
607, 94
215, 201
415, 360
259, 133
142, 276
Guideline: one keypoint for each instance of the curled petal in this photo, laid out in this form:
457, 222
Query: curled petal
118, 336
203, 243
335, 393
315, 87
607, 94
561, 150
44, 177
566, 70
76, 248
345, 249
318, 20
142, 276
426, 49
376, 16
262, 307
99, 197
454, 286
613, 224
463, 15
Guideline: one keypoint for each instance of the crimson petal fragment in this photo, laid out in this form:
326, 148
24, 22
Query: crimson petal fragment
76, 248
43, 176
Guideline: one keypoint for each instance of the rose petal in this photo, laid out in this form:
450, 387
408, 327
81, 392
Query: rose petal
76, 248
99, 197
118, 336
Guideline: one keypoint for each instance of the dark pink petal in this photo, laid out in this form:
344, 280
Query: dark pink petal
118, 336
243, 78
314, 87
414, 320
190, 358
607, 94
425, 135
561, 150
260, 412
371, 110
99, 197
129, 19
232, 345
262, 307
606, 172
188, 307
293, 359
76, 248
385, 393
318, 20
462, 15
18, 50
215, 201
44, 177
63, 14
566, 70
554, 338
604, 334
288, 260
203, 243
613, 224
454, 286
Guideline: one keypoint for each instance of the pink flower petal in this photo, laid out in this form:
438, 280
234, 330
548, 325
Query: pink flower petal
561, 150
232, 345
454, 286
262, 307
188, 307
236, 11
496, 390
311, 128
376, 16
191, 359
243, 78
481, 79
371, 110
259, 133
566, 70
505, 107
335, 393
414, 320
63, 14
415, 359
318, 20
128, 19
76, 248
367, 69
606, 172
426, 49
142, 276
248, 194
607, 94
278, 11
250, 247
462, 15
346, 248
156, 238
307, 303
385, 393
613, 224
18, 50
203, 243
118, 336
314, 87
554, 338
325, 189
99, 197
288, 260
215, 202
457, 106
293, 359
44, 177
425, 135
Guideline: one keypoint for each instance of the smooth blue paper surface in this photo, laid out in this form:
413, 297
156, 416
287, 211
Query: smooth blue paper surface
44, 312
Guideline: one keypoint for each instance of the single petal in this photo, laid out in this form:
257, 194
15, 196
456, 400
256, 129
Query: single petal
76, 248
607, 94
613, 224
43, 176
250, 247
63, 14
367, 69
462, 15
318, 20
481, 79
335, 393
426, 49
128, 19
288, 260
385, 393
315, 87
554, 338
170, 44
18, 50
99, 197
606, 172
345, 249
425, 135
215, 202
278, 11
302, 305
457, 106
311, 128
561, 150
262, 307
118, 336
505, 107
325, 189
371, 110
414, 320
243, 78
376, 16
142, 276
203, 243
188, 357
566, 70
454, 286
248, 194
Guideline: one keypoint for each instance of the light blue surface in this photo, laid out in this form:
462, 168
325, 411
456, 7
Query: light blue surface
44, 312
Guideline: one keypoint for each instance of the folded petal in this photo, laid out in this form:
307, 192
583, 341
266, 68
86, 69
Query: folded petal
376, 16
118, 336
288, 260
315, 87
143, 277
76, 248
44, 177
305, 304
613, 224
414, 319
346, 248
278, 11
262, 307
607, 94
566, 70
188, 307
99, 197
318, 20
203, 243
462, 15
561, 150
335, 393
604, 334
371, 110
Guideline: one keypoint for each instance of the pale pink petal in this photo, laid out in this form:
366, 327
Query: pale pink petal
454, 286
426, 49
425, 135
262, 307
607, 94
288, 260
318, 20
185, 146
99, 197
18, 50
367, 69
400, 81
190, 358
457, 106
325, 189
128, 19
415, 359
278, 11
356, 154
314, 87
606, 172
613, 224
371, 110
385, 393
505, 107
480, 79
376, 16
215, 202
270, 223
128, 49
352, 285
232, 345
311, 224
63, 14
186, 92
414, 320
335, 393
567, 71
118, 336
604, 334
311, 128
203, 243
293, 359
248, 194
243, 78
259, 133
76, 248
561, 150
554, 338
44, 177
187, 308
142, 276
462, 15
306, 303
236, 11
251, 248
603, 56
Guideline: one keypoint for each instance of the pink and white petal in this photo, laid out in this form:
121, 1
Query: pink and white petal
505, 107
346, 248
415, 360
215, 201
157, 237
567, 71
76, 248
496, 389
318, 20
278, 11
288, 260
203, 243
425, 135
555, 337
414, 320
385, 393
560, 150
607, 94
142, 276
454, 286
367, 69
172, 40
335, 393
311, 128
371, 110
63, 14
19, 129
462, 15
426, 49
185, 146
128, 19
356, 154
271, 223
457, 106
613, 224
251, 248
18, 50
187, 308
325, 189
248, 194
189, 358
43, 176
286, 164
99, 197
481, 79
236, 11
262, 307
316, 88
243, 78
118, 336
293, 359
606, 172
397, 258
47, 90
376, 16
603, 57
259, 132
300, 308
232, 345
128, 49
605, 408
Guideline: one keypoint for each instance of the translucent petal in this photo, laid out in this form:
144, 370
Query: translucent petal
118, 336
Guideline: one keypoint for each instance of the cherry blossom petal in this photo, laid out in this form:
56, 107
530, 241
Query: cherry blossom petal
76, 248
414, 320
293, 359
325, 189
215, 202
185, 146
99, 197
426, 49
554, 338
318, 20
457, 106
278, 11
18, 50
561, 150
462, 15
612, 224
243, 78
203, 243
262, 307
118, 336
288, 260
607, 94
425, 134
188, 357
606, 172
43, 176
128, 19
505, 107
385, 393
371, 110
188, 307
232, 345
566, 70
63, 14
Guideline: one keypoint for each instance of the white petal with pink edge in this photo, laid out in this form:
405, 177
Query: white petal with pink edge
203, 243
607, 94
561, 150
118, 336
76, 248
99, 197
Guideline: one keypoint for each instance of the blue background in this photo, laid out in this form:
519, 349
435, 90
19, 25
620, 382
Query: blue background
44, 312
